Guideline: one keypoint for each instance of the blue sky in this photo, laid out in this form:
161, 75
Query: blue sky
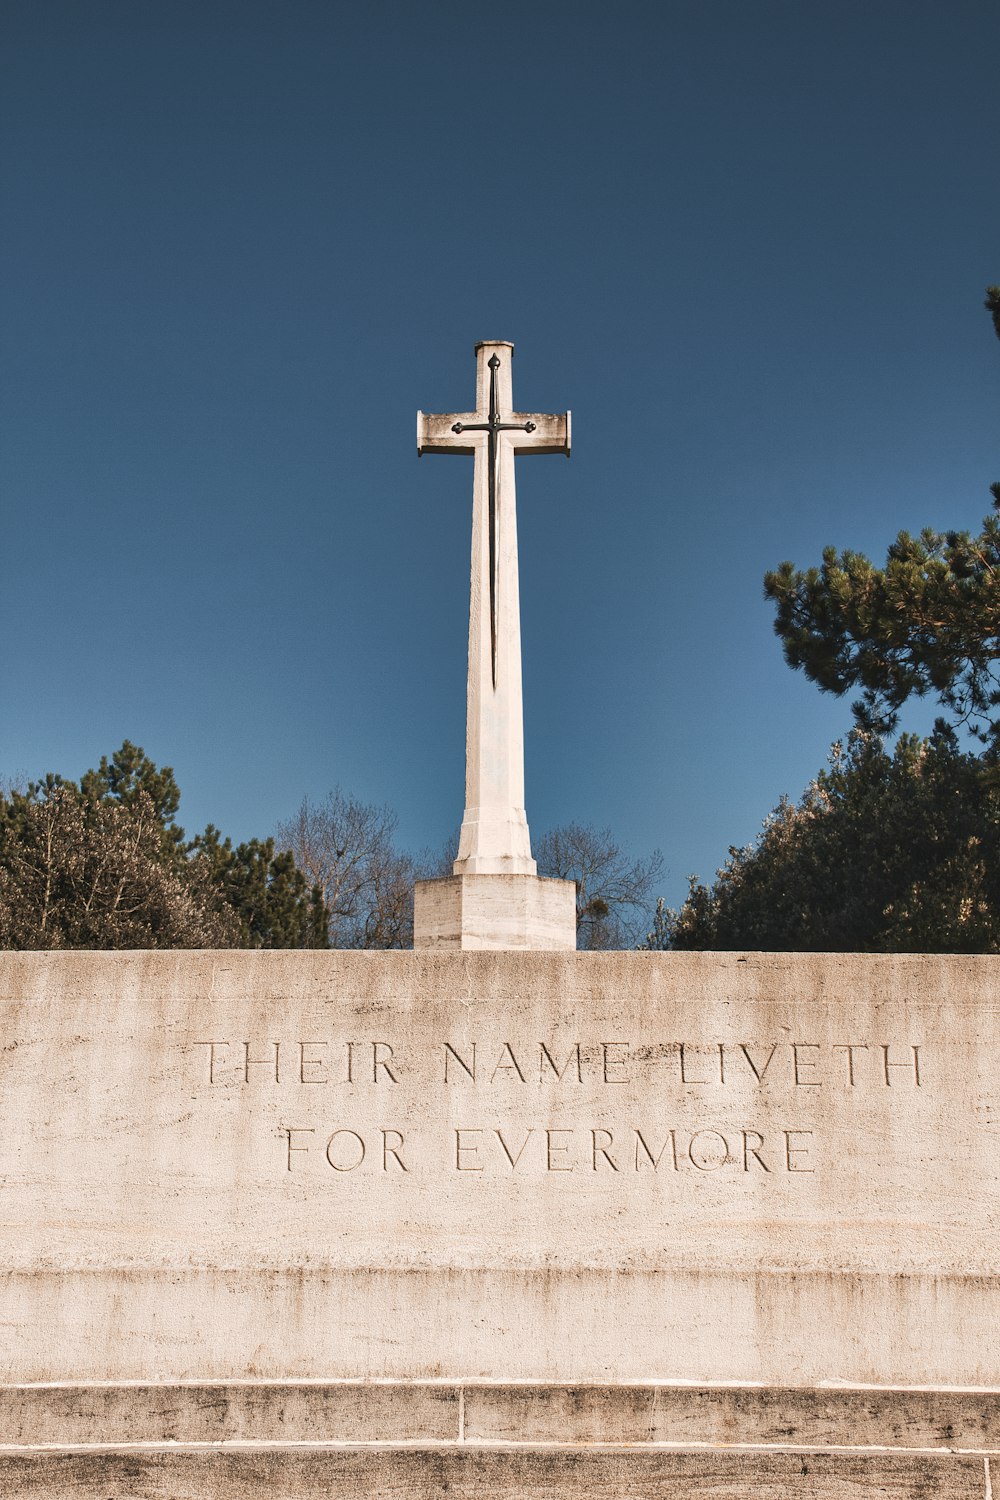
747, 243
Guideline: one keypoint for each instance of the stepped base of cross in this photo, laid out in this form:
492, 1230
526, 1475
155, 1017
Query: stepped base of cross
322, 1440
495, 912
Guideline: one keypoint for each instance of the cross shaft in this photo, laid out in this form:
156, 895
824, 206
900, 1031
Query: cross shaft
493, 426
494, 831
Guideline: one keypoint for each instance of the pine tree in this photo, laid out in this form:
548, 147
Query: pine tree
883, 853
928, 622
269, 894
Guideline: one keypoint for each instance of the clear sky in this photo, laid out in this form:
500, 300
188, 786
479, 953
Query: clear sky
747, 243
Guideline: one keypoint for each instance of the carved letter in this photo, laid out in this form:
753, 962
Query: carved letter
850, 1048
798, 1063
506, 1149
545, 1056
211, 1056
392, 1151
291, 1130
507, 1067
449, 1051
551, 1150
684, 1077
259, 1062
380, 1062
770, 1058
347, 1166
459, 1148
614, 1062
670, 1141
791, 1150
753, 1151
707, 1164
311, 1062
915, 1065
595, 1148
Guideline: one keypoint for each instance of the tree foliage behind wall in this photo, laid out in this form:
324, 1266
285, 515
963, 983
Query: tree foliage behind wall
81, 874
884, 852
614, 892
102, 863
927, 623
347, 849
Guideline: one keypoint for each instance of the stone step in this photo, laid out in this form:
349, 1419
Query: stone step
470, 1473
294, 1440
445, 1412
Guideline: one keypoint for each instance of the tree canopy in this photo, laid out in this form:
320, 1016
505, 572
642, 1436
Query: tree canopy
928, 622
81, 874
348, 852
102, 863
884, 852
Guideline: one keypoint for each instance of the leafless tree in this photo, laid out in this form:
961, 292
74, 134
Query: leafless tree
614, 894
347, 848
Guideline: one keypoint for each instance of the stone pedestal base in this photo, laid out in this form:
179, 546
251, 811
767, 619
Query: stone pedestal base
494, 911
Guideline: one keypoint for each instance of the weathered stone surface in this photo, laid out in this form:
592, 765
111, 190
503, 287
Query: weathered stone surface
67, 1416
424, 1474
366, 1412
727, 1416
174, 1212
540, 1224
495, 911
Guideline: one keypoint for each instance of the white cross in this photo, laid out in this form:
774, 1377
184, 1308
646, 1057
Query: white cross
494, 838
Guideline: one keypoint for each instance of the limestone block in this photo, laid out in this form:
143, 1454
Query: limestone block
495, 911
730, 1417
362, 1413
515, 1167
484, 1474
446, 1224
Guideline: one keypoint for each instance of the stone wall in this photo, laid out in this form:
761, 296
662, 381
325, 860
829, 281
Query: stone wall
549, 1198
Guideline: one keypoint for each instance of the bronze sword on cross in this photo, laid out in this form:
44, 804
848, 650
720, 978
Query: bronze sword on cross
493, 426
544, 433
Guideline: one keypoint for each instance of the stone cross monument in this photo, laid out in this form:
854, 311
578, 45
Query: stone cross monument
494, 898
448, 1225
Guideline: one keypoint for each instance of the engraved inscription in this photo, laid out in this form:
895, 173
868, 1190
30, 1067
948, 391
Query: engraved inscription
345, 1149
563, 1076
592, 1151
315, 1062
768, 1066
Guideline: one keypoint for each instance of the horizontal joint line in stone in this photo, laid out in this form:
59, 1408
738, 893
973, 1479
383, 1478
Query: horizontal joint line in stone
331, 1445
480, 1385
